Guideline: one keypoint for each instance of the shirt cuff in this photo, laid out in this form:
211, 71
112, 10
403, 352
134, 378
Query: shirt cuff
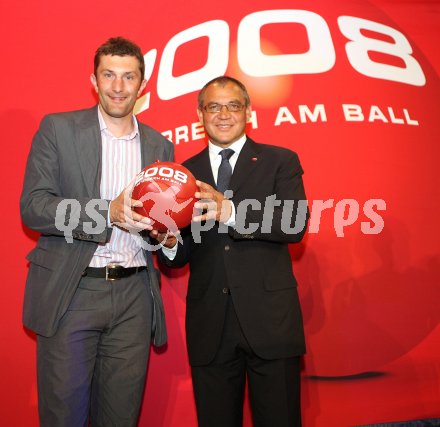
231, 221
109, 224
170, 253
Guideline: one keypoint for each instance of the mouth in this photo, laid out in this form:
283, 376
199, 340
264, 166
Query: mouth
223, 126
118, 99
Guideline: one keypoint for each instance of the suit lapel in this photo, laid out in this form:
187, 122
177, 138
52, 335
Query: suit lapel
247, 162
206, 170
149, 151
89, 152
202, 168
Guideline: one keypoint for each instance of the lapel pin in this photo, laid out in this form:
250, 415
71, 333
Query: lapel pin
254, 159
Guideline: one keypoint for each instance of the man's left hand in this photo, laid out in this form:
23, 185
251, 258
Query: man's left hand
168, 239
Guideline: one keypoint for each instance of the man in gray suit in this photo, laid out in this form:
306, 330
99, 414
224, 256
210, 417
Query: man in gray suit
92, 292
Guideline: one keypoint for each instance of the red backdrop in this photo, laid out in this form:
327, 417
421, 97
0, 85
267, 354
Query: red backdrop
353, 87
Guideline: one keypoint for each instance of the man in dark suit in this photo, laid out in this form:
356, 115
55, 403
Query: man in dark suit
92, 293
243, 315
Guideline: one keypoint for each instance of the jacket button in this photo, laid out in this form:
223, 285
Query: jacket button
226, 291
227, 248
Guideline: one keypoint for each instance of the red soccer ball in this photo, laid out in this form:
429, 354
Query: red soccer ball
166, 190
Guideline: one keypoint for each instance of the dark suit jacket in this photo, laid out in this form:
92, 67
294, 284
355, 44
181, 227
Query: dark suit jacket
254, 265
65, 163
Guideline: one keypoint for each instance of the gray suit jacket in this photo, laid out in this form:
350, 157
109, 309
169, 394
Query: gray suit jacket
65, 163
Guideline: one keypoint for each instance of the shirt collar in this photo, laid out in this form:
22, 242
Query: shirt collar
103, 127
236, 146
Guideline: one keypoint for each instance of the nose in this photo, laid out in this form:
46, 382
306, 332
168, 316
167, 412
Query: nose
117, 84
224, 112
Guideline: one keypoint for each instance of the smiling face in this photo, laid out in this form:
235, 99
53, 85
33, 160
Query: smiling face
225, 127
118, 83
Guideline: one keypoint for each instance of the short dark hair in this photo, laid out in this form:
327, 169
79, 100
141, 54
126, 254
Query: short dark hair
120, 47
223, 81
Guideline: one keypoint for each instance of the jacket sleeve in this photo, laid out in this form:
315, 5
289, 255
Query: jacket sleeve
182, 256
280, 216
45, 205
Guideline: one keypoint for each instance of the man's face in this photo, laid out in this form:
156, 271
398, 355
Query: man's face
118, 83
225, 127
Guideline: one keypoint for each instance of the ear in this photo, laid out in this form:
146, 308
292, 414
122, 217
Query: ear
248, 113
200, 114
141, 87
94, 82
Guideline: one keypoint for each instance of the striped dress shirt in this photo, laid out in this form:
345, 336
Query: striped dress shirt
121, 162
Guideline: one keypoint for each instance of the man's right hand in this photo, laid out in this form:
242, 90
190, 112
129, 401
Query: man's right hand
123, 215
213, 203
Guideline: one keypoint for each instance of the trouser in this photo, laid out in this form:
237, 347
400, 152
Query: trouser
94, 367
274, 385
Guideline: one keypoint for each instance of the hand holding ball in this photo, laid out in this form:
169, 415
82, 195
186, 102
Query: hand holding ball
166, 190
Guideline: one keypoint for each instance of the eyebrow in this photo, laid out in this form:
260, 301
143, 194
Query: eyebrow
108, 70
232, 101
